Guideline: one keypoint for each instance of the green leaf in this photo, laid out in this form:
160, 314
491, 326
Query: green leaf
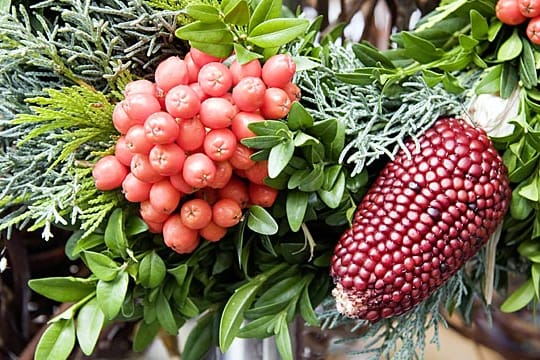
479, 25
268, 127
135, 226
509, 80
200, 338
420, 49
490, 83
164, 314
189, 309
324, 130
259, 328
145, 334
494, 29
262, 141
243, 55
519, 298
510, 48
451, 84
299, 117
279, 157
306, 308
238, 13
111, 294
314, 180
179, 272
520, 207
277, 32
87, 243
115, 236
527, 66
57, 341
332, 198
260, 221
102, 266
432, 78
152, 270
370, 56
530, 190
283, 340
303, 139
199, 32
265, 10
90, 320
63, 289
296, 206
535, 277
202, 12
233, 313
281, 292
304, 63
221, 50
467, 43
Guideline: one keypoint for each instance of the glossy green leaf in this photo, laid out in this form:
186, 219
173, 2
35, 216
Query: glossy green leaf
259, 328
479, 25
111, 294
509, 80
432, 78
494, 29
420, 49
165, 315
529, 190
306, 308
490, 82
237, 12
279, 157
189, 309
203, 12
314, 180
283, 341
262, 141
370, 56
527, 66
520, 207
467, 43
152, 270
332, 198
63, 289
304, 63
145, 333
324, 130
303, 139
244, 55
233, 313
299, 117
102, 266
296, 206
214, 33
265, 10
277, 32
135, 226
268, 127
296, 178
535, 277
220, 50
57, 341
179, 272
260, 221
282, 291
519, 298
451, 84
115, 236
511, 48
90, 320
87, 243
200, 338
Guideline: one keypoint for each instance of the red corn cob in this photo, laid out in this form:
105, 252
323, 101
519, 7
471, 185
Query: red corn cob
424, 217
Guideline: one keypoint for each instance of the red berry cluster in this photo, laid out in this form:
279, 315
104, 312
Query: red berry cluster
179, 154
516, 12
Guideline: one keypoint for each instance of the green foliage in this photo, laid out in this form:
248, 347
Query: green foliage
252, 29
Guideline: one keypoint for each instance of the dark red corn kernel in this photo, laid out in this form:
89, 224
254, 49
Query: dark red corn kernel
422, 219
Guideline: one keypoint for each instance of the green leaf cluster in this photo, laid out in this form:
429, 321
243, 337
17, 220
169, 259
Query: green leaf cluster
303, 162
253, 29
